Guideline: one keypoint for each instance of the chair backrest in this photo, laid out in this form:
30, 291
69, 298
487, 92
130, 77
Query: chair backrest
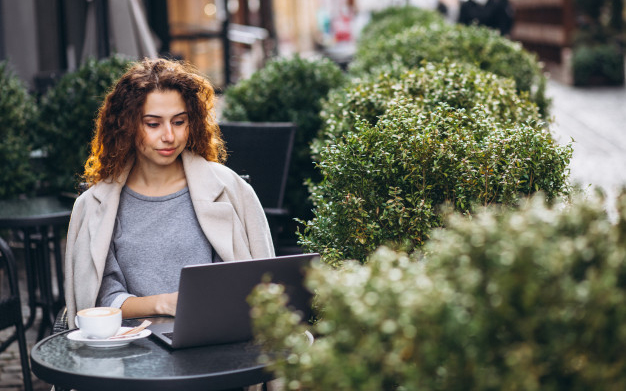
262, 151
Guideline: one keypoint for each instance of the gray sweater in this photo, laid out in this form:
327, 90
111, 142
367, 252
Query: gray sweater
153, 238
227, 208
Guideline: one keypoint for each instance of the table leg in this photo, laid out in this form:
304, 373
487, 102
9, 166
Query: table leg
30, 278
47, 297
49, 304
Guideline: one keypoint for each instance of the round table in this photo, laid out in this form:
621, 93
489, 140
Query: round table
146, 364
17, 213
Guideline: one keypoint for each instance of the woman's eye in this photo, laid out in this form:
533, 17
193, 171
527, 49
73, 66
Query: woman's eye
179, 122
152, 124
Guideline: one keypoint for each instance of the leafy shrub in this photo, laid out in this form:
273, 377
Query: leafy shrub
476, 45
392, 20
526, 300
598, 64
461, 86
67, 118
287, 90
386, 179
18, 112
598, 55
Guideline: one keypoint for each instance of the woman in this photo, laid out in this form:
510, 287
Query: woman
159, 197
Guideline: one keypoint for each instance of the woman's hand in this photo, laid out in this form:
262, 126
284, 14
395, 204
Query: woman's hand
166, 304
163, 304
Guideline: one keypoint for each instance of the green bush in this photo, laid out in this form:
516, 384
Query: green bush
598, 43
598, 64
393, 20
18, 112
476, 45
386, 177
461, 86
527, 300
68, 111
287, 90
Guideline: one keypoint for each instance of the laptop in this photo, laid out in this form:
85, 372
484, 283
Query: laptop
212, 306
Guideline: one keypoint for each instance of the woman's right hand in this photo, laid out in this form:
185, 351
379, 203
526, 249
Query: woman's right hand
163, 304
166, 304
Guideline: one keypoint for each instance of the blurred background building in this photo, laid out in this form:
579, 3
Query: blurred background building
230, 39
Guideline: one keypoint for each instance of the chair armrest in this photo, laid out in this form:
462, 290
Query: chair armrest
276, 211
60, 322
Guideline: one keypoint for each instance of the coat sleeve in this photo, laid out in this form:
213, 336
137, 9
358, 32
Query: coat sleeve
76, 222
255, 222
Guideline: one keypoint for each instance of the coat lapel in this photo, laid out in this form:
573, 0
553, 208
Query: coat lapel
101, 225
215, 218
205, 188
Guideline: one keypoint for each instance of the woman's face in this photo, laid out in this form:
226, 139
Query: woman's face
164, 129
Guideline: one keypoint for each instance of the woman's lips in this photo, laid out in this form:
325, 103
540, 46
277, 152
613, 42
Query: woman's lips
166, 151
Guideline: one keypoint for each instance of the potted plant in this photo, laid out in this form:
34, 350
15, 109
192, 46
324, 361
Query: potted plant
288, 90
66, 122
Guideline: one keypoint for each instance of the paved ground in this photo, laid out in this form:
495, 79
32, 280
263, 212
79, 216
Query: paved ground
10, 369
594, 117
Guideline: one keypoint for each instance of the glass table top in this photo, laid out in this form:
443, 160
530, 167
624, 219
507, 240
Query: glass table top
146, 363
34, 207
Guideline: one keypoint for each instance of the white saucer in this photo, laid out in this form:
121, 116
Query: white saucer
108, 342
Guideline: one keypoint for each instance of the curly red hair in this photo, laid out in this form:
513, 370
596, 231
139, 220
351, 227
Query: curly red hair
119, 117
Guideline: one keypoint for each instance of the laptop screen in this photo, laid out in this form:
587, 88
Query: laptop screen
212, 299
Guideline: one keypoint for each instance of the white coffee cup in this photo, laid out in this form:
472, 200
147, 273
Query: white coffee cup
99, 322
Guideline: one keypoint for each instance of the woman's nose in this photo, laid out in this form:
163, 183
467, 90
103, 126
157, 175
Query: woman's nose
168, 133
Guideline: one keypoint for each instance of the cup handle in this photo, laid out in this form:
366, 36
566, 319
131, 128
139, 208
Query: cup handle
76, 321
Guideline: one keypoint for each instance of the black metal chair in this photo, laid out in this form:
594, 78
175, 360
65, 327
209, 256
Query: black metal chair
263, 151
11, 311
37, 234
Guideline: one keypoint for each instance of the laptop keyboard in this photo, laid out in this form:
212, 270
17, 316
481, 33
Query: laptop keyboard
169, 335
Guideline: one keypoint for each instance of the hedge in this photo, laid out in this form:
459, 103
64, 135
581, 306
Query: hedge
387, 176
436, 42
533, 299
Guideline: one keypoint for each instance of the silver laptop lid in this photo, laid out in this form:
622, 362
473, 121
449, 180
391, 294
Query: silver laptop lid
212, 306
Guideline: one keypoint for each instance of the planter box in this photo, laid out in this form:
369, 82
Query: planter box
546, 27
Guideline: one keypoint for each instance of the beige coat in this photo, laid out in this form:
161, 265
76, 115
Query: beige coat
227, 208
